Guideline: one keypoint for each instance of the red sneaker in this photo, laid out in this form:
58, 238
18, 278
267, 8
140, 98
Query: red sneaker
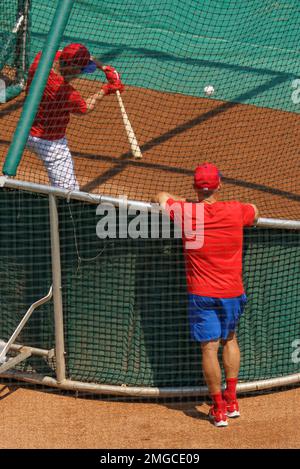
218, 416
232, 406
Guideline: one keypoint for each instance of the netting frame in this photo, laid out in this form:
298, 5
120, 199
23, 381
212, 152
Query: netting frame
23, 40
61, 382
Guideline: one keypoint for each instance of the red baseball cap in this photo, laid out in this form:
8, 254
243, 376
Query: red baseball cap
207, 177
78, 55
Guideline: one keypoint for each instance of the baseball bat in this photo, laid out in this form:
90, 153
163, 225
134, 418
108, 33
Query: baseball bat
136, 151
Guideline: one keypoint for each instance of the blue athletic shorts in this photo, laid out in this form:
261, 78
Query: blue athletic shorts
214, 318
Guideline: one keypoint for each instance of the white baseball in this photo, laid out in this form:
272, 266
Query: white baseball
209, 90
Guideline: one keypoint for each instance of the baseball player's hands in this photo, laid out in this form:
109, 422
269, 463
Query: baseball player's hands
111, 88
114, 80
111, 74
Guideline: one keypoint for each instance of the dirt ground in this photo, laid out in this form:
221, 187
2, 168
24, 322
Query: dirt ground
255, 148
31, 419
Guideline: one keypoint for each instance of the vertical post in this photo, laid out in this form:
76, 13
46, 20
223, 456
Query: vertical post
16, 149
57, 294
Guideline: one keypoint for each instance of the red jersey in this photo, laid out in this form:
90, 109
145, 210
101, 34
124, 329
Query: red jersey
59, 100
215, 269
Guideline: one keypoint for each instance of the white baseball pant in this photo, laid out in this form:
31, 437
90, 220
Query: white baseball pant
57, 159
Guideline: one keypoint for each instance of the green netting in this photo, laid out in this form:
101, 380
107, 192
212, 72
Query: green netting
26, 271
167, 52
14, 37
179, 46
125, 302
247, 50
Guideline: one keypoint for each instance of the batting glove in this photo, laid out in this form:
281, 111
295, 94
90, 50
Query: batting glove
110, 88
111, 74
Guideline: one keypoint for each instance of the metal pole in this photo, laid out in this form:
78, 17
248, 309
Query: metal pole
22, 324
23, 40
37, 87
139, 392
57, 293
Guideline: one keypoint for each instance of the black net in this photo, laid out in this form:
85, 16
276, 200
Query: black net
168, 53
14, 56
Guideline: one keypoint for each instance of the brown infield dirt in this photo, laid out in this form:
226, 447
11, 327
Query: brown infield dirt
35, 419
256, 149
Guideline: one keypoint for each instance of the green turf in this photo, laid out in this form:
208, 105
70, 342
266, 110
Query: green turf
248, 50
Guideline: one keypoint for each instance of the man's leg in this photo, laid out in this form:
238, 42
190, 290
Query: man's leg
232, 309
213, 376
231, 362
231, 356
211, 366
57, 159
206, 329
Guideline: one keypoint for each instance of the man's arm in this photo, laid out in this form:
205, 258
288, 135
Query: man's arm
99, 64
247, 214
92, 100
111, 73
114, 84
256, 214
162, 198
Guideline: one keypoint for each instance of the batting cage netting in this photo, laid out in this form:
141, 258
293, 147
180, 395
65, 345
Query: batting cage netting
167, 53
124, 300
14, 54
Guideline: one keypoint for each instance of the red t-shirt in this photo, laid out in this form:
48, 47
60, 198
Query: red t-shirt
59, 100
215, 269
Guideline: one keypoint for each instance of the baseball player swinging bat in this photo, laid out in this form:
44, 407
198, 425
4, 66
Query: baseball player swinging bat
47, 136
